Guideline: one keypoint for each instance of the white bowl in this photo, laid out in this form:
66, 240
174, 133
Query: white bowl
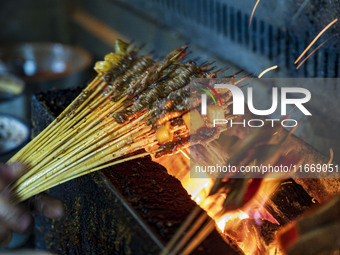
14, 133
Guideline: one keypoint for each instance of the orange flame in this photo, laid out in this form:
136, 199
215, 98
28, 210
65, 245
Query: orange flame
178, 165
314, 40
252, 13
221, 223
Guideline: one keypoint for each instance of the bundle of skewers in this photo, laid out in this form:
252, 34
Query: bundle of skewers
137, 103
134, 103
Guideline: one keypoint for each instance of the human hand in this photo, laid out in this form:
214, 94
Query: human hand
18, 218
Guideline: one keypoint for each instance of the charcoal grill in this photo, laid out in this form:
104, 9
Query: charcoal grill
105, 214
215, 29
108, 213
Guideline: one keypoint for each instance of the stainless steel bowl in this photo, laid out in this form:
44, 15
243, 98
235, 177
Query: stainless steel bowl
41, 61
45, 66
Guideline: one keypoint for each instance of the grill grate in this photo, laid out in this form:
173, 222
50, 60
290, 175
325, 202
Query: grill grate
226, 23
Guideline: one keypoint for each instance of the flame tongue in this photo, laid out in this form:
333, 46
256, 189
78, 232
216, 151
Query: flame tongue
238, 206
243, 225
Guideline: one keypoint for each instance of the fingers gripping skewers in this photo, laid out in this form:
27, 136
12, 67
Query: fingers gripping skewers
133, 103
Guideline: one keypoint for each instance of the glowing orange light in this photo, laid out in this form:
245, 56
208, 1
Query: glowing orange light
199, 189
185, 154
331, 153
315, 39
304, 60
252, 14
225, 218
267, 70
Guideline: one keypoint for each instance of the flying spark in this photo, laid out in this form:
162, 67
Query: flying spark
331, 153
304, 60
252, 14
185, 154
267, 70
315, 39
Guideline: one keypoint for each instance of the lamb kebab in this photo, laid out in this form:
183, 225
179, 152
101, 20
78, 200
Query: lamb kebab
133, 103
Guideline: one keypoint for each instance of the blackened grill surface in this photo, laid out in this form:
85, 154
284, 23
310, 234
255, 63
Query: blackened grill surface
95, 221
56, 101
280, 30
161, 200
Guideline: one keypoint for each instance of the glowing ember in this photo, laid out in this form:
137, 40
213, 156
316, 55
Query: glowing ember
314, 40
252, 14
304, 60
245, 223
267, 70
227, 217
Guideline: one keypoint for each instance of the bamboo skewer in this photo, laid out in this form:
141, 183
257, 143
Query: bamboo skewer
191, 233
51, 126
26, 196
40, 155
26, 193
83, 156
56, 125
102, 127
210, 226
83, 127
192, 230
88, 133
77, 118
96, 148
65, 160
181, 230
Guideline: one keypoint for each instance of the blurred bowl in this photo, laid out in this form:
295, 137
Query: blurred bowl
45, 66
11, 87
36, 62
13, 100
14, 133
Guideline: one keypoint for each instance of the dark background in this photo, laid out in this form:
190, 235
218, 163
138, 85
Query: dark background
216, 29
